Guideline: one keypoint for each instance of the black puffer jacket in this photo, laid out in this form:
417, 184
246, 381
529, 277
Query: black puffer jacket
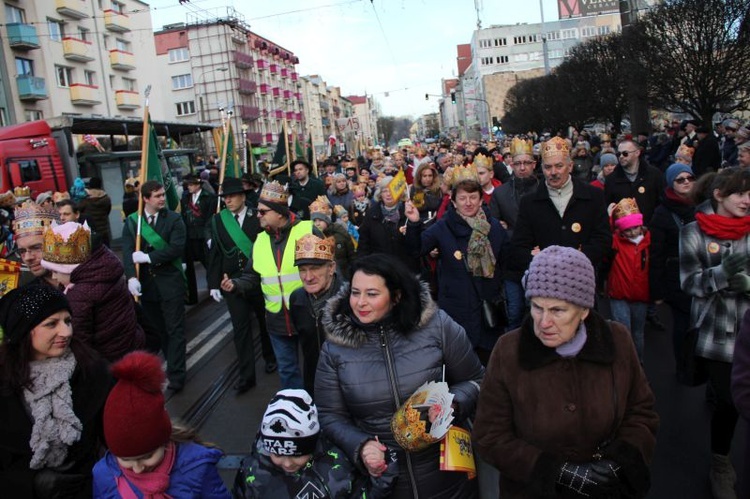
366, 372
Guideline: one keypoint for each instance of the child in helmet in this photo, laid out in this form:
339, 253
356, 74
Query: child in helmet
290, 458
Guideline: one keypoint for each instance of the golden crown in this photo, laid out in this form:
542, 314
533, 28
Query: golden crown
626, 206
321, 205
73, 250
480, 160
685, 151
461, 173
520, 146
555, 146
274, 192
22, 191
31, 219
312, 247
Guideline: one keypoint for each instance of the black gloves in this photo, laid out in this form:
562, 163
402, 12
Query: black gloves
733, 263
596, 479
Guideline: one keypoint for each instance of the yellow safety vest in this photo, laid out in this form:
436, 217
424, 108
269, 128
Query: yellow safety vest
277, 285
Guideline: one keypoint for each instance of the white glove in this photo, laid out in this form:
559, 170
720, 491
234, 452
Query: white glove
134, 286
208, 243
141, 257
216, 295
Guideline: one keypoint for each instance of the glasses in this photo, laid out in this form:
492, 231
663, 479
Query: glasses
624, 154
262, 212
524, 163
37, 248
684, 180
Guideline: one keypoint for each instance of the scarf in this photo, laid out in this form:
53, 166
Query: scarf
724, 228
670, 194
391, 214
480, 259
50, 401
152, 484
361, 205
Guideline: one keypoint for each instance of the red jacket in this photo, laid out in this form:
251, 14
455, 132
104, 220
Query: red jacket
628, 277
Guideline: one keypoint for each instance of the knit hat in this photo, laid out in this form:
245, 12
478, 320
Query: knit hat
41, 198
22, 309
135, 419
607, 159
675, 170
340, 211
290, 424
319, 215
562, 273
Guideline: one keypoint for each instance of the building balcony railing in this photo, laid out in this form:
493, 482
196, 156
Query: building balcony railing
242, 60
276, 91
72, 8
246, 86
255, 138
120, 59
269, 138
274, 69
248, 112
298, 116
261, 64
298, 95
114, 21
289, 115
287, 94
324, 105
295, 76
336, 110
77, 50
84, 95
22, 36
126, 99
284, 72
325, 121
264, 88
31, 88
278, 114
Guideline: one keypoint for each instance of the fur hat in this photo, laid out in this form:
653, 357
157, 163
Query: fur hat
562, 273
290, 424
135, 419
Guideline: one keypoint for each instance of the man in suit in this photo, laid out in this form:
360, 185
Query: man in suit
233, 232
198, 206
160, 282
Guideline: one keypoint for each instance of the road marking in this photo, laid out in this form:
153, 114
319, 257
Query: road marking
195, 354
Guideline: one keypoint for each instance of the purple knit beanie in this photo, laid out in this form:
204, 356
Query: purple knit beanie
563, 273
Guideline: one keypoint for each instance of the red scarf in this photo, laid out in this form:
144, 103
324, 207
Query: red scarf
673, 196
152, 484
724, 228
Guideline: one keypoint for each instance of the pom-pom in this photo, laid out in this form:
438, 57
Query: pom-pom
141, 369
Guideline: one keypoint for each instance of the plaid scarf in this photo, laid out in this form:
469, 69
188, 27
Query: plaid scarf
480, 259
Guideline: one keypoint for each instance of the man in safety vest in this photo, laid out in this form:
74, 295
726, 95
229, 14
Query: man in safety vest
271, 267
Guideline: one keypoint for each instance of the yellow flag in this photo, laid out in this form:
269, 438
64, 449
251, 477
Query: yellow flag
456, 453
397, 186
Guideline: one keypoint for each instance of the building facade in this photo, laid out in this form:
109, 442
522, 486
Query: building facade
366, 110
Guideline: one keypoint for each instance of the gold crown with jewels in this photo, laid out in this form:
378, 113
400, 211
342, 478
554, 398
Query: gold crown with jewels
73, 250
554, 146
274, 192
520, 146
31, 219
311, 247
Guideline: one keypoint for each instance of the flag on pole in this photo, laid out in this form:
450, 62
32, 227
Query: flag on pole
309, 150
279, 157
299, 149
233, 165
156, 168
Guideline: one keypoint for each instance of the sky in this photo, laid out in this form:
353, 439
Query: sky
395, 50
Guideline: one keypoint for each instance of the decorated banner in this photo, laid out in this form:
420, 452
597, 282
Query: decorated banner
10, 272
350, 124
456, 453
397, 186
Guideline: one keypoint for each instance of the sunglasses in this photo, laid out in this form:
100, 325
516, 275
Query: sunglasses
685, 180
262, 212
624, 154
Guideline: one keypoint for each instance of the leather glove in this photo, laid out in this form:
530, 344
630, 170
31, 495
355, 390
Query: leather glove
216, 295
134, 286
595, 479
141, 257
739, 283
733, 263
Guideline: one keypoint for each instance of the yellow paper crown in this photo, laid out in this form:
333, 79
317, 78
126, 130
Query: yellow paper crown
31, 219
274, 192
73, 250
461, 173
480, 160
554, 146
312, 247
626, 206
520, 146
321, 205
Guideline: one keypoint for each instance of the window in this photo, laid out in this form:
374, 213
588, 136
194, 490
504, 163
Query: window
518, 40
90, 78
111, 81
487, 60
14, 15
64, 76
3, 117
129, 84
32, 115
107, 42
501, 42
30, 169
182, 81
503, 59
24, 66
588, 31
603, 30
534, 38
553, 35
122, 45
568, 33
179, 54
187, 107
56, 30
118, 7
83, 34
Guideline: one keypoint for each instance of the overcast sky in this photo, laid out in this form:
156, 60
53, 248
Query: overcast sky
395, 50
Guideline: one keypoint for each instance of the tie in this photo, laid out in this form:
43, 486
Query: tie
151, 220
237, 217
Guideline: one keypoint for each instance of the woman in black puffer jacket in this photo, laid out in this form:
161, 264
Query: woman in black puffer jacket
385, 338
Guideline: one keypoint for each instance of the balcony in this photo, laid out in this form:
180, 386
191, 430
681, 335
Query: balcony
276, 91
77, 50
264, 89
289, 115
22, 36
84, 95
284, 72
274, 69
31, 88
126, 99
261, 64
298, 95
246, 86
114, 21
269, 138
255, 138
239, 38
325, 121
122, 60
324, 105
72, 8
298, 116
242, 60
287, 94
295, 76
278, 114
248, 112
336, 110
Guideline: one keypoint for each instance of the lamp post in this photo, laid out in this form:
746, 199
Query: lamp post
244, 128
202, 88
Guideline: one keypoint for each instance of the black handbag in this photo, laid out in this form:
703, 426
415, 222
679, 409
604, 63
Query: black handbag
494, 312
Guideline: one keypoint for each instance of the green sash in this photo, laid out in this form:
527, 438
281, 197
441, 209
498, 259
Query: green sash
240, 239
154, 239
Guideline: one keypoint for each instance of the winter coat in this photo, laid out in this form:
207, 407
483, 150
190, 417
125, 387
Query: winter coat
377, 235
628, 276
459, 293
328, 475
506, 199
583, 226
96, 206
193, 475
365, 373
707, 157
664, 273
703, 277
302, 196
104, 316
538, 410
90, 386
342, 199
344, 252
647, 188
741, 389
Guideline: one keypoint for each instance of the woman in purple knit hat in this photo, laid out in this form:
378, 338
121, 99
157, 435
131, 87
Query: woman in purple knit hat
565, 409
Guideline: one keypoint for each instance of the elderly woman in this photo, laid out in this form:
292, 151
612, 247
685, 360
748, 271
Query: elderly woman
385, 338
565, 409
52, 393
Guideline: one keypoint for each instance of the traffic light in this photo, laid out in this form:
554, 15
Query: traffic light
453, 95
426, 96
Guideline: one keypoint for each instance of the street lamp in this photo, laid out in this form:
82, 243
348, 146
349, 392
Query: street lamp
201, 83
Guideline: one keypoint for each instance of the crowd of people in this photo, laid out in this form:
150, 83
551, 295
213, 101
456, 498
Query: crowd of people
491, 266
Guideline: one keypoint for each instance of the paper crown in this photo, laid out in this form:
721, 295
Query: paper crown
311, 247
340, 211
626, 206
321, 205
68, 243
59, 196
555, 146
461, 173
22, 191
520, 146
31, 219
274, 192
480, 160
685, 151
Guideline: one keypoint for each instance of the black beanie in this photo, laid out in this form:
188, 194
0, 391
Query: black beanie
22, 309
